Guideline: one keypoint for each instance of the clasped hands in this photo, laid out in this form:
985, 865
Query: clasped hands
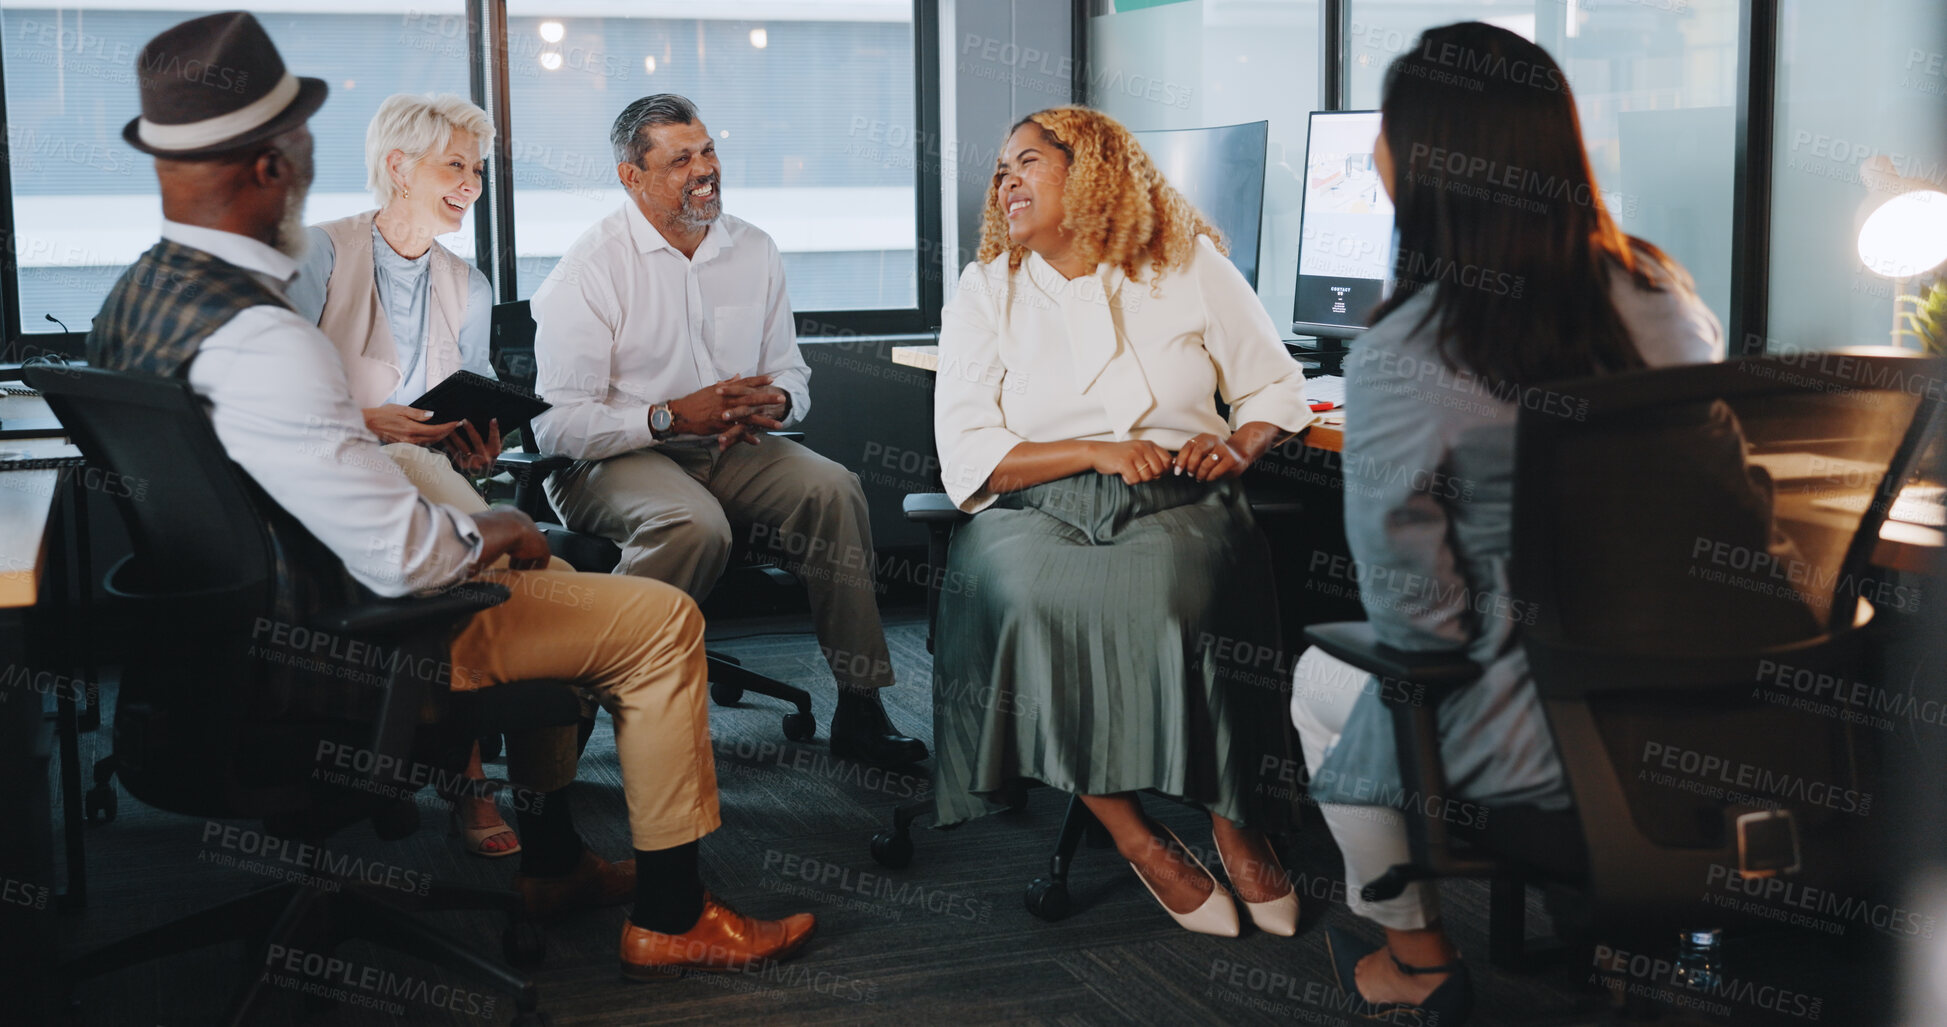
1205, 458
733, 410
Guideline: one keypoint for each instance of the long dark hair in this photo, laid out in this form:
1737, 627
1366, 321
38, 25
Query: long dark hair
1497, 205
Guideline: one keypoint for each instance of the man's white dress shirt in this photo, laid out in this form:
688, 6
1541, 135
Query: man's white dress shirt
283, 412
625, 321
1031, 356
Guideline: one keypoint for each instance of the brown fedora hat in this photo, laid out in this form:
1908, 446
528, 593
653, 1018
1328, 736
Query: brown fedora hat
213, 84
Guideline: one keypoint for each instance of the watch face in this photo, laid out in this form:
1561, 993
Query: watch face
661, 418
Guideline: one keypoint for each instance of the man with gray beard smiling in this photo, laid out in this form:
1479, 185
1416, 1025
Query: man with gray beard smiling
666, 346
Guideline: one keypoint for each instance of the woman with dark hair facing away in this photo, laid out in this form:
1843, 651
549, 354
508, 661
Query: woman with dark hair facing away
1509, 273
1113, 564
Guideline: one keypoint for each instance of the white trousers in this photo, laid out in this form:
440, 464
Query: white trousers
1372, 838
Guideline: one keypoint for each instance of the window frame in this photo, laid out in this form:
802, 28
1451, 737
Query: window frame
1759, 25
494, 234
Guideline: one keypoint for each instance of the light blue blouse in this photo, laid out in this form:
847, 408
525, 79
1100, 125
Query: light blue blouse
1429, 489
406, 294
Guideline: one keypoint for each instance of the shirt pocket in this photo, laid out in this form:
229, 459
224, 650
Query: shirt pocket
736, 338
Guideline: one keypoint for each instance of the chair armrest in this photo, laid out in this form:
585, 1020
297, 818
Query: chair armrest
932, 508
385, 618
524, 464
794, 436
1358, 644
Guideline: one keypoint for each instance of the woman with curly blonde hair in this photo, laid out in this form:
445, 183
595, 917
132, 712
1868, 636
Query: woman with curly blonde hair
1120, 593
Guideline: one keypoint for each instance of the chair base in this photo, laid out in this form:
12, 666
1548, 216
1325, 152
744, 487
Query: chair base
284, 918
729, 680
1047, 897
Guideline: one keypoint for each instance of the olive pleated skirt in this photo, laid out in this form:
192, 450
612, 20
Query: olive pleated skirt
1100, 637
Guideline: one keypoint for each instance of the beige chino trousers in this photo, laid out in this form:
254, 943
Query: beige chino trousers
637, 644
676, 511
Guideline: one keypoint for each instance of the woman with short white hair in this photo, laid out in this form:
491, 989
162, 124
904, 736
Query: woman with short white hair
406, 312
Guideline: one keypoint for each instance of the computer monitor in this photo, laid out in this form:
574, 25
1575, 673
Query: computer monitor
1220, 171
1345, 229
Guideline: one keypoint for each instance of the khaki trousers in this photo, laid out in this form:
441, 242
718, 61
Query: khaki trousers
676, 510
638, 645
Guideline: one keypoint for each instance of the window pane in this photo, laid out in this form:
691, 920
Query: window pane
1207, 63
783, 86
85, 202
1861, 117
1655, 85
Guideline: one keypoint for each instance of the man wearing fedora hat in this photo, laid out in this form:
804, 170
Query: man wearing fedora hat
226, 123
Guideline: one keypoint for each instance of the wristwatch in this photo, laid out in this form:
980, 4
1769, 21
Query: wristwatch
661, 419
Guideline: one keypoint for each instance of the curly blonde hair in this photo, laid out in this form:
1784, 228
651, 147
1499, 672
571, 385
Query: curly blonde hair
1117, 205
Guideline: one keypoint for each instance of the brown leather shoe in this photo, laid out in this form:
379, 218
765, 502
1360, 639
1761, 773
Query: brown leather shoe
723, 939
593, 884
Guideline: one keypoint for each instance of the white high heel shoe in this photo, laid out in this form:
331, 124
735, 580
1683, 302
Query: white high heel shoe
1278, 916
1217, 915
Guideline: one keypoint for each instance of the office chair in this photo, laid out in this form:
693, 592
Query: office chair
513, 358
1046, 897
1631, 522
219, 719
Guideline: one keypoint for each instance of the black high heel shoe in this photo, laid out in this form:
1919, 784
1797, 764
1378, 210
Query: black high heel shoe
1449, 1005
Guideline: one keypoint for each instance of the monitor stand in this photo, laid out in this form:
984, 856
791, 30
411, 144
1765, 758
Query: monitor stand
1320, 356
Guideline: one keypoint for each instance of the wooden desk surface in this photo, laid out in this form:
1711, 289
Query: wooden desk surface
26, 503
1327, 435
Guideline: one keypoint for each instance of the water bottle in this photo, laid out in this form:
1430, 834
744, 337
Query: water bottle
1698, 960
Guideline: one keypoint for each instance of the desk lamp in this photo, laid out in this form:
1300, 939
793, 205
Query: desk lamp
1905, 237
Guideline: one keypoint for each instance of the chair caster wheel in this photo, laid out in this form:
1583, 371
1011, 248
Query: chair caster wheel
100, 804
1047, 899
725, 695
524, 944
800, 727
892, 849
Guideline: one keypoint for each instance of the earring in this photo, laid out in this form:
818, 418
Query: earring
405, 194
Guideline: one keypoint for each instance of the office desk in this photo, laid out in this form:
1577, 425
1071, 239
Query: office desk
1903, 547
32, 538
1327, 435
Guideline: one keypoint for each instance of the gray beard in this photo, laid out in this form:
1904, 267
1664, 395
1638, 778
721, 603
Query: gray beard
292, 240
695, 216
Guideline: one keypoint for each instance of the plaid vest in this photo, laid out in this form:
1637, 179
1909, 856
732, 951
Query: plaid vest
153, 322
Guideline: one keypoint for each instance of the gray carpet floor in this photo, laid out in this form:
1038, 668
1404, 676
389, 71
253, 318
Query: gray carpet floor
946, 940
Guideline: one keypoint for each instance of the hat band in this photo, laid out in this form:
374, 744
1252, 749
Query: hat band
195, 135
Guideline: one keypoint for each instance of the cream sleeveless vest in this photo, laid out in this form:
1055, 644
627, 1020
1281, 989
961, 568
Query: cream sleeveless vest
355, 321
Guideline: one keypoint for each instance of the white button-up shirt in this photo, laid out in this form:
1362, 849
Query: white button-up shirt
1031, 356
625, 321
283, 412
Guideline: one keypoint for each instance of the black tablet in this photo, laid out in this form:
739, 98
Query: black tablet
476, 398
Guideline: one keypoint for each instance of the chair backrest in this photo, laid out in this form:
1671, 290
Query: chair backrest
512, 346
192, 514
512, 353
200, 726
1715, 507
1677, 532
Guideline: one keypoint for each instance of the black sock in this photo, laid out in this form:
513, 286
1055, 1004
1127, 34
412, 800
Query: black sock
668, 889
549, 845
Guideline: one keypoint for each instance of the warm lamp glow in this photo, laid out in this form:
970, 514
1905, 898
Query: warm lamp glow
1907, 235
649, 64
760, 38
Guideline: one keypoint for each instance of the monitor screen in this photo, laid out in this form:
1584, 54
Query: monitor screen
1345, 239
1220, 171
